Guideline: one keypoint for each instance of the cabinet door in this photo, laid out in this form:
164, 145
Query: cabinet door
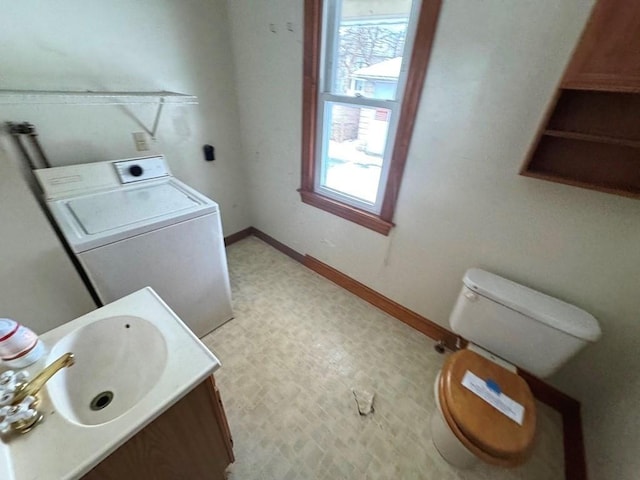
608, 54
186, 442
221, 417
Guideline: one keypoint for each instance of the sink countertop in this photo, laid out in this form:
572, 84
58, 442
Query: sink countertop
59, 449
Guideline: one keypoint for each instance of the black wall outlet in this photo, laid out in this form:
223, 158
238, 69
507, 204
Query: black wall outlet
209, 153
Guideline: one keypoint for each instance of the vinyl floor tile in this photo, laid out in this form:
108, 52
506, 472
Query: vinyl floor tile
297, 347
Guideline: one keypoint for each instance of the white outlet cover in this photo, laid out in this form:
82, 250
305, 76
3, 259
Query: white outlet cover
141, 141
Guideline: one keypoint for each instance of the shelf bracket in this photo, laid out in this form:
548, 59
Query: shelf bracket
156, 121
154, 129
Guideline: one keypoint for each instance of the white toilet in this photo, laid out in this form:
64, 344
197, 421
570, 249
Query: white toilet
506, 325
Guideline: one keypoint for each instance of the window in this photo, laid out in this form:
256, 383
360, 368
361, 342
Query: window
364, 67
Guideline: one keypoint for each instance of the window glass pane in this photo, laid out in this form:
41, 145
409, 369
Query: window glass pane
355, 139
369, 48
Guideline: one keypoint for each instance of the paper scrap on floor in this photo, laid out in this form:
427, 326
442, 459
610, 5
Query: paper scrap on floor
364, 400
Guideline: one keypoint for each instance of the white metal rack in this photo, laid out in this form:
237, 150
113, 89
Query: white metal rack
88, 97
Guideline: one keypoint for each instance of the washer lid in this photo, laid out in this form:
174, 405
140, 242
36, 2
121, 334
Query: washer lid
483, 425
118, 208
546, 309
94, 219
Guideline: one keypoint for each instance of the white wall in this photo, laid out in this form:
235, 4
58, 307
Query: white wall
39, 286
494, 67
131, 45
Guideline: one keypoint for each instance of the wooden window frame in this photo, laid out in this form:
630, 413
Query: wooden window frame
423, 40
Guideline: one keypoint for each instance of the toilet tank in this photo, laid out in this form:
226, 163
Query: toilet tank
529, 329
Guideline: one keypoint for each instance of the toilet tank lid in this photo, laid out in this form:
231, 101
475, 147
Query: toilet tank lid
548, 310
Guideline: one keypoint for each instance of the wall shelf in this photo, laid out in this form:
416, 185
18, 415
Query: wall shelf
590, 136
587, 137
61, 97
554, 177
591, 139
591, 86
588, 161
88, 97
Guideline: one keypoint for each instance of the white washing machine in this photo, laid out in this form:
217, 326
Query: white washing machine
131, 224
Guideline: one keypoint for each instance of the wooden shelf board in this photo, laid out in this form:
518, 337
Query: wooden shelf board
595, 87
576, 183
588, 137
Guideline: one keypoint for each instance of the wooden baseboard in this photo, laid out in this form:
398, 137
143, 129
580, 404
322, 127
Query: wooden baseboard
236, 237
279, 246
575, 464
420, 323
575, 456
569, 408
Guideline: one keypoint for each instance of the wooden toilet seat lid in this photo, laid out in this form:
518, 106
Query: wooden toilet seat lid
482, 425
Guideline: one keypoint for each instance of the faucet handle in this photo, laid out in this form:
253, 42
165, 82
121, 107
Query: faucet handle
10, 381
20, 417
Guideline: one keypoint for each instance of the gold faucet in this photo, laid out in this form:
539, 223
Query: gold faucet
15, 419
35, 385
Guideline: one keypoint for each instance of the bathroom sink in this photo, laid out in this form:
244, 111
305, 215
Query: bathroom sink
118, 360
134, 359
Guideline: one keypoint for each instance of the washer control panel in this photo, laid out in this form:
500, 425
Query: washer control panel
138, 169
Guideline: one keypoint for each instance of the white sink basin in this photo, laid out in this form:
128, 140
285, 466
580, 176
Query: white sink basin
117, 361
147, 366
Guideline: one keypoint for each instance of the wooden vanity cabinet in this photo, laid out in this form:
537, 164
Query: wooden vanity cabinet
591, 135
190, 441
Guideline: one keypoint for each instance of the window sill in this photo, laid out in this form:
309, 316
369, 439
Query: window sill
365, 219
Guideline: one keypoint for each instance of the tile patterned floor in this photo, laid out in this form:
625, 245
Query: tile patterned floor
296, 348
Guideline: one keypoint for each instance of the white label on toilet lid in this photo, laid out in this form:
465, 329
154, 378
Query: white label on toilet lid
499, 401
